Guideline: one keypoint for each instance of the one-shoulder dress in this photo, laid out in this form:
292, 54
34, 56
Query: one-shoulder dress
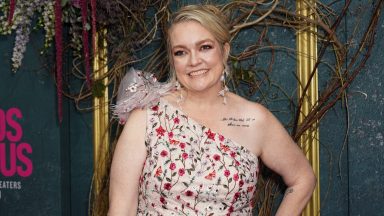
193, 170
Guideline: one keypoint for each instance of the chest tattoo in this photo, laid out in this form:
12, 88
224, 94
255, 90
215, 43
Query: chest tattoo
238, 121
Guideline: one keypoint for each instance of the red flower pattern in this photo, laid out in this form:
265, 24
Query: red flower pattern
158, 172
211, 175
160, 131
221, 138
173, 142
223, 147
210, 135
162, 200
227, 173
236, 177
188, 193
236, 196
167, 186
216, 157
172, 166
155, 108
164, 153
183, 170
241, 183
233, 154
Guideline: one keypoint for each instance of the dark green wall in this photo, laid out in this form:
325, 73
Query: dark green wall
351, 168
366, 142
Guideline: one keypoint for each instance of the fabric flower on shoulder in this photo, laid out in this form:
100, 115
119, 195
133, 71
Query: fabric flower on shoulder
138, 89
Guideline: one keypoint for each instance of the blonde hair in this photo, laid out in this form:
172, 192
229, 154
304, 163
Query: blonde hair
210, 17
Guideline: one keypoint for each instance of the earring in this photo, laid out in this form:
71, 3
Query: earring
225, 88
180, 98
177, 85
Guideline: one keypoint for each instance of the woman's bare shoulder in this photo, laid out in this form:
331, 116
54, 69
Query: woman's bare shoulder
138, 114
136, 123
249, 108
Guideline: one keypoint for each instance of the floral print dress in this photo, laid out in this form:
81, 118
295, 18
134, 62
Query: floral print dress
192, 170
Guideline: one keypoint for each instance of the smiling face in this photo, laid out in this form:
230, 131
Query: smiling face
198, 58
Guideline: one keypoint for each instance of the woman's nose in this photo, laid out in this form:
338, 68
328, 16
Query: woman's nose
194, 58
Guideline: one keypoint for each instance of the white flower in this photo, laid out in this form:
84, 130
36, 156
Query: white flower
132, 88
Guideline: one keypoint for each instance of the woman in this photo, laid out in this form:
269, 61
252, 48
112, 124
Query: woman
196, 150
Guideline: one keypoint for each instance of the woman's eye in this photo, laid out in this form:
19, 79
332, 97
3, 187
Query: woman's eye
206, 47
178, 53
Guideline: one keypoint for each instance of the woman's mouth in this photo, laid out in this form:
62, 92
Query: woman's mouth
197, 73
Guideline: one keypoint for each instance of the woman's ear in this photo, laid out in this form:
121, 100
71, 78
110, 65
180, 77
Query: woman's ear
227, 49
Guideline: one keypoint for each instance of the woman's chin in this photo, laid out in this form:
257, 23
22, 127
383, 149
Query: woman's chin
201, 87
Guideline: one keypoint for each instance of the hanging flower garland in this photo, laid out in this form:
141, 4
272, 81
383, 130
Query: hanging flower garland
84, 16
16, 16
11, 11
19, 19
59, 57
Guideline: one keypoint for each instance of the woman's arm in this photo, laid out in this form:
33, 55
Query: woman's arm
281, 154
127, 165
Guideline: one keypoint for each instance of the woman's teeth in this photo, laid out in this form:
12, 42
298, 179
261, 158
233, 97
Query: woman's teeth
197, 73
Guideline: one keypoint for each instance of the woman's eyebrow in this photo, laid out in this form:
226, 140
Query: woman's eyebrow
198, 43
204, 41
